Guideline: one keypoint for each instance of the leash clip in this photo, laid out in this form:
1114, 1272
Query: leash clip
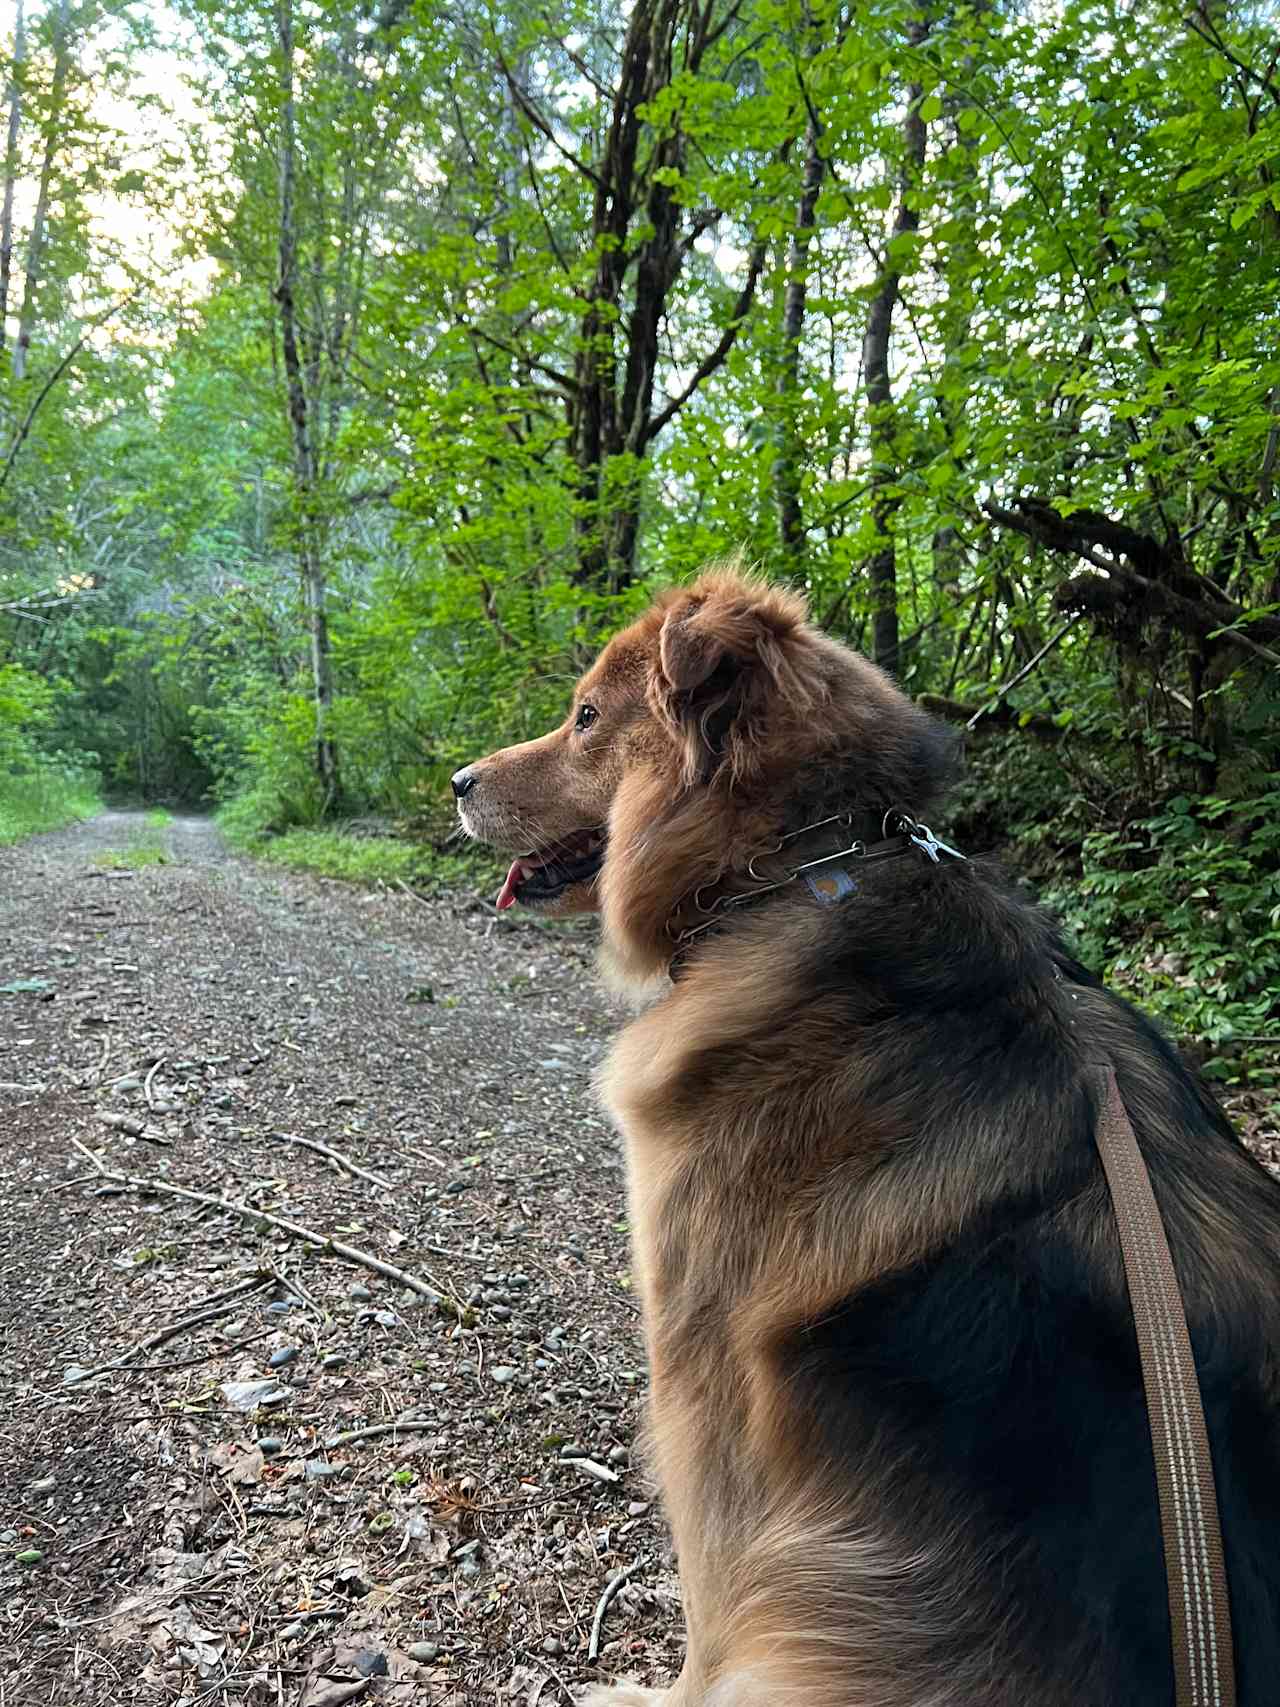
922, 837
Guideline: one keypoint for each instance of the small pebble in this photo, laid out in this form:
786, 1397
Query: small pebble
360, 1293
637, 1508
286, 1354
320, 1470
333, 1360
553, 1646
619, 1455
269, 1445
423, 1652
503, 1374
45, 1485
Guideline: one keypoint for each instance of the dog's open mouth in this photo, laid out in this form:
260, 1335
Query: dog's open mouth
543, 875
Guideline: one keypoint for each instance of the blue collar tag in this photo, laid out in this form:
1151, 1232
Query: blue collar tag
831, 886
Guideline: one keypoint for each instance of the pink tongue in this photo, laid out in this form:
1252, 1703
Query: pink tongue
507, 894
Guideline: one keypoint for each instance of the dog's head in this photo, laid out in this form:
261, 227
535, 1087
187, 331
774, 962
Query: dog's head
689, 744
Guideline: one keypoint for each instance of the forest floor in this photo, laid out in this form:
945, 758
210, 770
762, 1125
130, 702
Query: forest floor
240, 1467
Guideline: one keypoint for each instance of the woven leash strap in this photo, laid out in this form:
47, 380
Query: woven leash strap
1199, 1608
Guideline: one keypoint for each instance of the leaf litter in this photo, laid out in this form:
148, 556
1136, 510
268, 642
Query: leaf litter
323, 1486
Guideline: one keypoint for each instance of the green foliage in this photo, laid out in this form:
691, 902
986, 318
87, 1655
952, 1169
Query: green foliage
352, 857
1084, 311
25, 707
40, 788
134, 858
44, 799
1182, 909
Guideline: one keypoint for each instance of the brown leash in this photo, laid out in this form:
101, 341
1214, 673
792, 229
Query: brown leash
1199, 1607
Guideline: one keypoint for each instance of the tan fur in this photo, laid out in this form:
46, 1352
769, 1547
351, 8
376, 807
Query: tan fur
766, 1184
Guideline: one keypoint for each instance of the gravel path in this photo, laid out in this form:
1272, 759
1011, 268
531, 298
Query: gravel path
183, 1014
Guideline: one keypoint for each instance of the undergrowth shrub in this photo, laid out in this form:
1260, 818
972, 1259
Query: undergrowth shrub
357, 858
1181, 911
39, 789
45, 798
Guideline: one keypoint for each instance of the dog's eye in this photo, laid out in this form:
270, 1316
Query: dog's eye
587, 715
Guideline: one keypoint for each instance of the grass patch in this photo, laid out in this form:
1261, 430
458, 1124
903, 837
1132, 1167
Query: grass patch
43, 800
359, 859
133, 858
158, 818
337, 851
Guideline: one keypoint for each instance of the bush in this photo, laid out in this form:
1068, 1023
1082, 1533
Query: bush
45, 798
351, 857
1183, 914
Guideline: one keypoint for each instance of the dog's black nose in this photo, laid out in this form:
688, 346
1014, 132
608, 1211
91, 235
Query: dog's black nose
462, 782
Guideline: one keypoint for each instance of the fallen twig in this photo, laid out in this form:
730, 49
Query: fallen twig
294, 1284
185, 1362
429, 1288
146, 1083
348, 1438
424, 1155
66, 1184
211, 1313
611, 1588
250, 1283
337, 1157
102, 1060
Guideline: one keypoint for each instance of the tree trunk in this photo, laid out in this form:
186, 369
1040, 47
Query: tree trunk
613, 410
52, 130
883, 568
595, 415
786, 466
11, 170
310, 558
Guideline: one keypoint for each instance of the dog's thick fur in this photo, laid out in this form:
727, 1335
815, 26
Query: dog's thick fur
897, 1411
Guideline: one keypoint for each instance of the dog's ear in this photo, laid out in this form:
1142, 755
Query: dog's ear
722, 658
689, 652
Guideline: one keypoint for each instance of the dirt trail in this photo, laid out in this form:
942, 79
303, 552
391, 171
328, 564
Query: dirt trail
158, 1544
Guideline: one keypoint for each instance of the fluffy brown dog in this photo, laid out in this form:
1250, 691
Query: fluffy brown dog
897, 1411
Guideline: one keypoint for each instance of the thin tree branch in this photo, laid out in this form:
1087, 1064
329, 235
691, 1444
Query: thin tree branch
540, 124
1022, 674
714, 358
1216, 42
19, 438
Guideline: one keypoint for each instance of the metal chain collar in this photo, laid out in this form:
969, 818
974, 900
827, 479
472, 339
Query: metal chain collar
908, 834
